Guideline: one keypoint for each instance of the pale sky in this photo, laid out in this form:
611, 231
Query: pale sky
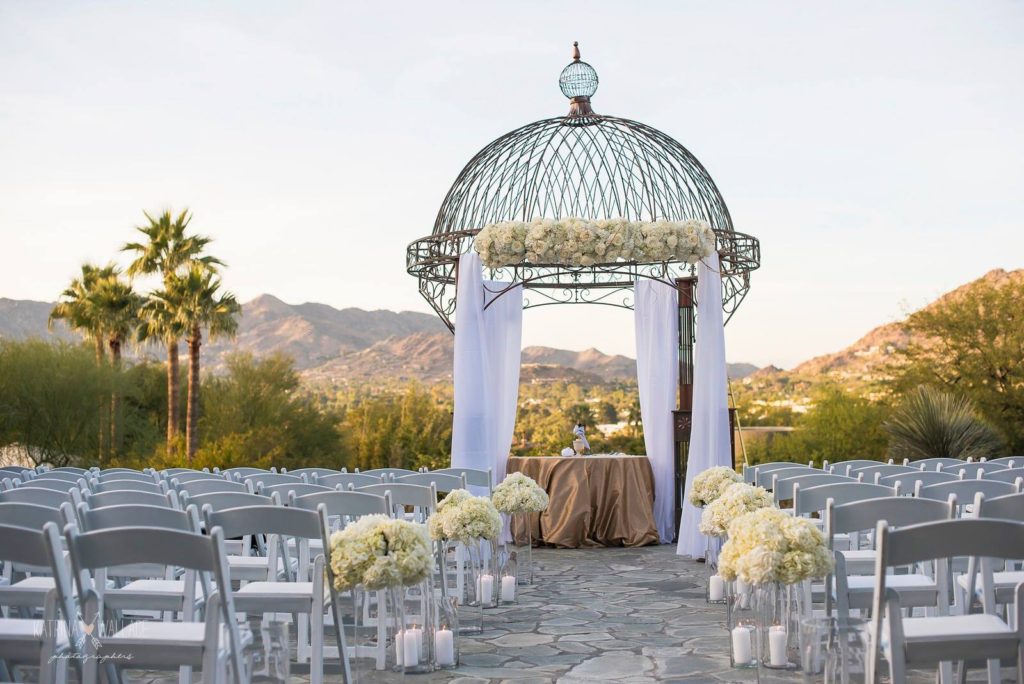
875, 148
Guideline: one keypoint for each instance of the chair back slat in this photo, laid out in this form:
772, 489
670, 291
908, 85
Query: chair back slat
898, 511
1008, 475
337, 503
345, 479
869, 473
908, 481
130, 497
220, 501
750, 474
405, 494
283, 490
107, 476
267, 479
785, 480
987, 538
134, 516
310, 472
844, 467
443, 482
197, 487
966, 490
127, 485
115, 546
1008, 507
814, 499
52, 476
474, 477
937, 463
35, 495
764, 478
54, 485
29, 515
390, 472
288, 522
193, 476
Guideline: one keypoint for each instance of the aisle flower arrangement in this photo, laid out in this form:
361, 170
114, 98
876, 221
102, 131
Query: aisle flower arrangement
711, 484
379, 552
519, 493
769, 545
736, 500
464, 518
587, 242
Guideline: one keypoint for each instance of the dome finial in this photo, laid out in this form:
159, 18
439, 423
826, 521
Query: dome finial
578, 82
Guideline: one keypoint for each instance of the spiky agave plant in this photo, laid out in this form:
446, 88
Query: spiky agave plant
931, 424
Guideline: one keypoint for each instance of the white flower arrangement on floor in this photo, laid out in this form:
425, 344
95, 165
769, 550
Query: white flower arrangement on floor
770, 545
464, 518
710, 485
519, 493
379, 552
735, 500
587, 242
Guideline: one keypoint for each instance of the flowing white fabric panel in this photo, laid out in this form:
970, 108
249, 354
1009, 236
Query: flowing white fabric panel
488, 345
656, 310
709, 438
503, 328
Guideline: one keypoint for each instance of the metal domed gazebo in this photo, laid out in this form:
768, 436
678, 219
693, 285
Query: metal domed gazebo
585, 165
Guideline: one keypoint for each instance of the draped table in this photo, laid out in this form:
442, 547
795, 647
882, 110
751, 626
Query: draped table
595, 501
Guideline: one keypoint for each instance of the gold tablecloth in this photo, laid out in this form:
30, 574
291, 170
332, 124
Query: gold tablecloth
595, 501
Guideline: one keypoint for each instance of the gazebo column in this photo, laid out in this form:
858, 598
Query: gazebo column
683, 415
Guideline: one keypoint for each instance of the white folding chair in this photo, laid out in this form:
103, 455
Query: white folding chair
243, 564
43, 642
784, 481
965, 491
213, 644
907, 482
1004, 581
854, 591
40, 496
761, 473
304, 596
1010, 475
944, 638
26, 586
843, 467
474, 477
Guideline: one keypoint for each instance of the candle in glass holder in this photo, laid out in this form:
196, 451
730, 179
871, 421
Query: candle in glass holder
716, 588
444, 646
741, 645
400, 648
777, 641
485, 589
508, 588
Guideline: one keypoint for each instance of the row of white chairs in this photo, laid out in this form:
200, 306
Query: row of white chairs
283, 575
917, 560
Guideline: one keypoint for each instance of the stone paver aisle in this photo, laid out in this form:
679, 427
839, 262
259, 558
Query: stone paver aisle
618, 615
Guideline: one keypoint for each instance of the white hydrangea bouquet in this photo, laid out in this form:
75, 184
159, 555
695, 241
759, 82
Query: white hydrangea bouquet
711, 483
379, 552
736, 500
519, 493
769, 545
587, 242
462, 517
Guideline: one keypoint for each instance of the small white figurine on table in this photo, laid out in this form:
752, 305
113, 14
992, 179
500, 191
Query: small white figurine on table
580, 444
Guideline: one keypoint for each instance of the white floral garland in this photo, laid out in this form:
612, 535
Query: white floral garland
587, 242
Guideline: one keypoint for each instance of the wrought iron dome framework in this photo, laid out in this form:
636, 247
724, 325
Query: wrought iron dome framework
584, 165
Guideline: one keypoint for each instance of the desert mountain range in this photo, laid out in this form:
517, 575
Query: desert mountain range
352, 345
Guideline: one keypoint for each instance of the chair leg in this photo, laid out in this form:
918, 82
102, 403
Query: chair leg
185, 674
316, 659
993, 671
382, 631
945, 673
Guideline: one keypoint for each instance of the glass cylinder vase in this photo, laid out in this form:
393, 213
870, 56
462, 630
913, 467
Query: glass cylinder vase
714, 585
507, 580
463, 568
741, 621
524, 551
446, 633
779, 612
410, 614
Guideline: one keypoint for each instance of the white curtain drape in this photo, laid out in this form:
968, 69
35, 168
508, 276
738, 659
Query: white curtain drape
656, 309
709, 437
488, 345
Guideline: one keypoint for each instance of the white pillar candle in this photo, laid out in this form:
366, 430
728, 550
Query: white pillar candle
741, 646
508, 588
777, 639
410, 649
416, 634
716, 588
444, 646
485, 589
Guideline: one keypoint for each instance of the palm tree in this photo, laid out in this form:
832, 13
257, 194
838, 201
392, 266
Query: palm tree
117, 306
167, 250
196, 297
78, 308
158, 321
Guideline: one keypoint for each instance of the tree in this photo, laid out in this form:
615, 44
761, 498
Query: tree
934, 424
78, 308
117, 306
972, 343
167, 250
159, 320
200, 304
